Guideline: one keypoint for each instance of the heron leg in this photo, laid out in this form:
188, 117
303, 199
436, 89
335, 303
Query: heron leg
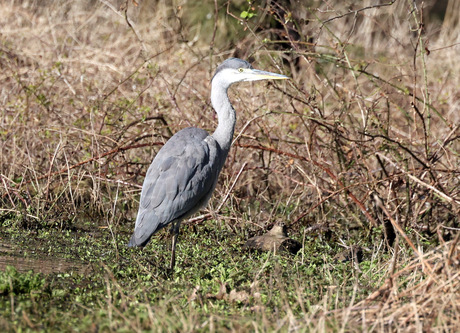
175, 231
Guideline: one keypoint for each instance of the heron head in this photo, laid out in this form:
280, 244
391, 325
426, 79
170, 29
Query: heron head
235, 70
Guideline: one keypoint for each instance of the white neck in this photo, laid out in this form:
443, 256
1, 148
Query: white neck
226, 117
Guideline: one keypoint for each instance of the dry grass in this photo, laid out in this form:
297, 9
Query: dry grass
365, 134
417, 297
412, 299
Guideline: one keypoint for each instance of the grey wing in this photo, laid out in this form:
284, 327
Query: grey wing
178, 183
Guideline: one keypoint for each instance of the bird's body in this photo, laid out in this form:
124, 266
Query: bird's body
178, 183
184, 173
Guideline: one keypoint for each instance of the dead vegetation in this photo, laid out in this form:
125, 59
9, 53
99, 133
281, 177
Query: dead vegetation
363, 139
421, 295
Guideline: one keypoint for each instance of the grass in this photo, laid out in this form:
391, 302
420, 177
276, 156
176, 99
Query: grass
126, 290
214, 285
358, 151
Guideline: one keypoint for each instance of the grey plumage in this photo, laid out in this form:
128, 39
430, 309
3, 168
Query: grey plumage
184, 173
178, 182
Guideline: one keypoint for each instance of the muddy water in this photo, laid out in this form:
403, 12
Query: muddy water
38, 263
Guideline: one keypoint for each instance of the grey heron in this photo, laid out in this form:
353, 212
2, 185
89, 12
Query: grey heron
184, 172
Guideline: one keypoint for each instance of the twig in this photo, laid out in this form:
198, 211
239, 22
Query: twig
213, 38
131, 26
18, 212
325, 169
434, 189
9, 188
231, 187
404, 235
7, 192
354, 12
92, 159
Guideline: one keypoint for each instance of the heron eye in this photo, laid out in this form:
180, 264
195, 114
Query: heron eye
241, 70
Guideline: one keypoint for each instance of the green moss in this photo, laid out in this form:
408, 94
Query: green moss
113, 285
11, 281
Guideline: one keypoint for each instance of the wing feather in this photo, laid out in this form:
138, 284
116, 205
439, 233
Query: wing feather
178, 182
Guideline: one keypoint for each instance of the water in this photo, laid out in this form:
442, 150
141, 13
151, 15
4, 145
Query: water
36, 262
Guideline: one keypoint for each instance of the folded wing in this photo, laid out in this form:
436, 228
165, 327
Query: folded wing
178, 183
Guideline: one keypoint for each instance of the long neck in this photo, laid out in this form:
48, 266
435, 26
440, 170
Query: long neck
226, 117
